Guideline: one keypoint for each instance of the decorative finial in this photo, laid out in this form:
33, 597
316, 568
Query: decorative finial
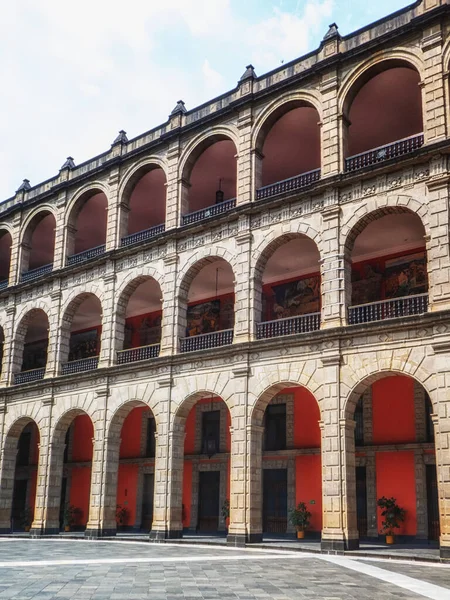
179, 108
332, 32
69, 164
249, 73
121, 138
25, 186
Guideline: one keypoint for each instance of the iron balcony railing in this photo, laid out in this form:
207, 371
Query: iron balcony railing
288, 185
209, 211
206, 341
79, 366
382, 153
136, 354
388, 309
27, 376
36, 273
4, 284
142, 236
75, 259
288, 326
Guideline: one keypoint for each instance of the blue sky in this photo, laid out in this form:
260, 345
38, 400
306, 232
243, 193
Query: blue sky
75, 73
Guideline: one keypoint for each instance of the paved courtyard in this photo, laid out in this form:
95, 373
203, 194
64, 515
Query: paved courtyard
55, 569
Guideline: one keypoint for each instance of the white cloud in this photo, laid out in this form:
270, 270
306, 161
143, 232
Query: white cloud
214, 81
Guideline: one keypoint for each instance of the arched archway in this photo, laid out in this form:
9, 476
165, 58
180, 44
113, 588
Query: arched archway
30, 347
288, 148
383, 112
209, 179
81, 332
138, 320
38, 246
285, 459
145, 197
19, 476
5, 257
287, 287
394, 445
389, 266
206, 310
86, 227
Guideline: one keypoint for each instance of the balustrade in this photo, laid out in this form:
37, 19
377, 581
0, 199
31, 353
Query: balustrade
209, 211
35, 273
4, 284
81, 257
79, 366
142, 236
388, 309
206, 340
288, 185
136, 354
382, 153
27, 376
288, 326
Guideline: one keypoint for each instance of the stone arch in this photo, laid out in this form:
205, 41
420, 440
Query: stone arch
200, 143
64, 421
29, 226
23, 320
276, 109
82, 195
379, 207
377, 62
31, 218
196, 263
132, 280
135, 172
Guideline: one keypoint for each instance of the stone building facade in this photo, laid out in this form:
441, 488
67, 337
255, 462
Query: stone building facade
338, 352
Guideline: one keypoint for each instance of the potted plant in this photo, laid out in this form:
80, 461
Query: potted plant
393, 516
26, 518
71, 513
300, 518
122, 515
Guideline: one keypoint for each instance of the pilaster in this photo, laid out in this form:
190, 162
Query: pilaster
244, 313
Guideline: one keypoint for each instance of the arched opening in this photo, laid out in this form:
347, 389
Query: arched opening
31, 347
210, 180
81, 334
86, 232
384, 115
288, 287
206, 316
71, 470
287, 464
205, 422
289, 144
38, 246
147, 205
139, 315
389, 266
395, 457
135, 426
5, 257
21, 457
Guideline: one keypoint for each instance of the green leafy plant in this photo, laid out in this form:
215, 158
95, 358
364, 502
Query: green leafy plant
71, 514
122, 514
26, 517
300, 516
392, 514
225, 510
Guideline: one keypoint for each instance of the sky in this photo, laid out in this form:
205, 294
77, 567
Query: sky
75, 73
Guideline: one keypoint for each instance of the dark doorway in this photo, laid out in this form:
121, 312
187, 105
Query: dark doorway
62, 503
147, 501
274, 500
432, 503
19, 502
208, 501
361, 501
275, 427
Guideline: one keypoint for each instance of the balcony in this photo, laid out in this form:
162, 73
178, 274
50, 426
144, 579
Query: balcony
383, 153
80, 366
388, 309
288, 326
81, 257
137, 354
4, 284
28, 376
142, 236
35, 273
209, 211
206, 341
288, 185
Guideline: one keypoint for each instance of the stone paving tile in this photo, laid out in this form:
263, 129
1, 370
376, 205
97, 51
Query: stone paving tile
280, 578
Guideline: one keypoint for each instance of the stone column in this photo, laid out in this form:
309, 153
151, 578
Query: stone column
335, 271
243, 314
170, 306
172, 196
371, 485
330, 142
8, 457
254, 483
108, 318
433, 95
112, 217
244, 157
8, 346
14, 262
54, 334
58, 253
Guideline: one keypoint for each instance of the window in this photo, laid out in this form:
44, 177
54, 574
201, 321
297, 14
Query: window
150, 445
275, 427
359, 418
211, 432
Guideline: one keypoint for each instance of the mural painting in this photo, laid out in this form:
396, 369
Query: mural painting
294, 298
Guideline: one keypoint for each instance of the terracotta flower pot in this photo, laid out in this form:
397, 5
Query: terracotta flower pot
389, 539
300, 535
26, 528
66, 527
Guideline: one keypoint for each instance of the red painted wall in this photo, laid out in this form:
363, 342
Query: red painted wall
396, 477
83, 432
80, 487
130, 446
308, 486
393, 410
127, 483
306, 418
